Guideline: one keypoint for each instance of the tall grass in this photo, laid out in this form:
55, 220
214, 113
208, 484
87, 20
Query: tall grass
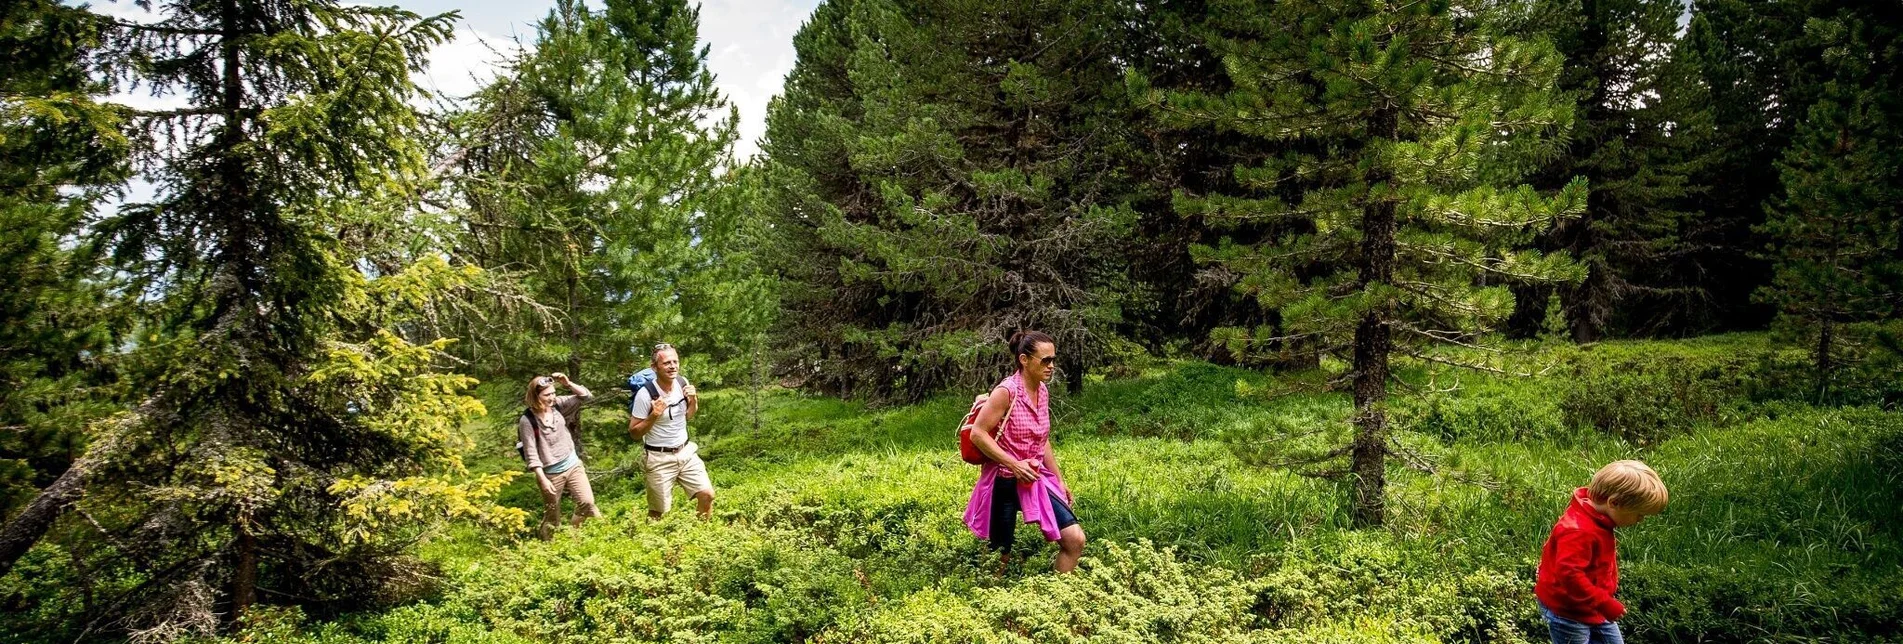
840, 522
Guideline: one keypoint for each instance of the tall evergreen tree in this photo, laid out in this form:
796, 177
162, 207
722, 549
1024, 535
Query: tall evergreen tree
1837, 231
1634, 141
1754, 81
280, 428
1176, 298
61, 153
1406, 126
598, 171
947, 172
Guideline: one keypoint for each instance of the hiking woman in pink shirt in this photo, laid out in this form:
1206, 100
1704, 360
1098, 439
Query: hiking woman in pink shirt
1022, 474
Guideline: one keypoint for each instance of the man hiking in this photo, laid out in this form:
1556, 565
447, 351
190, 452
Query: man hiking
659, 417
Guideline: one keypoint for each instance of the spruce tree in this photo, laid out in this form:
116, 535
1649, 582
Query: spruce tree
284, 438
1634, 142
61, 154
1405, 127
1754, 81
598, 171
1836, 232
945, 173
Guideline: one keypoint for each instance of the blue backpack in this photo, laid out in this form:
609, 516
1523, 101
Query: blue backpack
645, 379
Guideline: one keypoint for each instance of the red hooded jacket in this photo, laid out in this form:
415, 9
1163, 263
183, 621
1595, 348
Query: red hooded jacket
1579, 566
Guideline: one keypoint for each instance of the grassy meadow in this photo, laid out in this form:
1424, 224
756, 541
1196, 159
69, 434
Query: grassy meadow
838, 522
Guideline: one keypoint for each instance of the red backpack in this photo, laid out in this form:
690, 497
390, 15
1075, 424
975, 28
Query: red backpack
966, 449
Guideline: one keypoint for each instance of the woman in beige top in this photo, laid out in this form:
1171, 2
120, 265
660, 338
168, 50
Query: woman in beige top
549, 448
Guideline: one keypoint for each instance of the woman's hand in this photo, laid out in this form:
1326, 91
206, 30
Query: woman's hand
1024, 471
541, 481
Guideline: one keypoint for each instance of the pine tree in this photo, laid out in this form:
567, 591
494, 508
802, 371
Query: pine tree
1837, 231
1406, 126
598, 169
1177, 299
1754, 80
1632, 142
945, 173
283, 439
61, 153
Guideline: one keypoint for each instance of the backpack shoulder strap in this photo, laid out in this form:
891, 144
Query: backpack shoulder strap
533, 420
999, 430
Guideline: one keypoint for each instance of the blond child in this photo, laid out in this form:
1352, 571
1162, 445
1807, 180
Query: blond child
1579, 565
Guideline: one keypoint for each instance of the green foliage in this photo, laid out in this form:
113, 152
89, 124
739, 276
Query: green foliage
61, 153
1836, 238
1781, 526
293, 433
943, 174
1437, 157
1385, 213
1645, 400
1642, 132
1490, 410
597, 173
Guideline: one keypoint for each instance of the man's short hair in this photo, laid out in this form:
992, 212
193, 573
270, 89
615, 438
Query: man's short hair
1628, 485
663, 347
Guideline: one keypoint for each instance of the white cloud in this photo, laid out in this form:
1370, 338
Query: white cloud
461, 66
750, 53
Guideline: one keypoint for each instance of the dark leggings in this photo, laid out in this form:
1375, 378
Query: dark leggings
1004, 513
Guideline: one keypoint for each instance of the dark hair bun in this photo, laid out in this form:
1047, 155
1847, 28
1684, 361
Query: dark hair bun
1024, 343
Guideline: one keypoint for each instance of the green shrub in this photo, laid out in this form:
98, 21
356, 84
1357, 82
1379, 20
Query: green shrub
1487, 410
1121, 593
1646, 400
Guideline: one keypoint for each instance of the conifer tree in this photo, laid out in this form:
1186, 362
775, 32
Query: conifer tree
1753, 81
947, 172
1635, 142
283, 439
1836, 233
61, 153
1406, 126
598, 170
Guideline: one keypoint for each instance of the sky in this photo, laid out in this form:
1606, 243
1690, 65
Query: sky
750, 48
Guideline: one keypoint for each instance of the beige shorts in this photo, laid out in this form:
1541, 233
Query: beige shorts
665, 469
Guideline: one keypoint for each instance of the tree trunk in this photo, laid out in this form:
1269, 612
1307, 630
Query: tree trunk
574, 325
26, 528
1529, 310
1373, 342
244, 581
1074, 375
1589, 304
1824, 364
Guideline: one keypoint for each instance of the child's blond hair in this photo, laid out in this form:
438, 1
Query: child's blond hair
1628, 485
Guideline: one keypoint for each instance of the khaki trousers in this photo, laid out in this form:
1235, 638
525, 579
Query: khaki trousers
571, 482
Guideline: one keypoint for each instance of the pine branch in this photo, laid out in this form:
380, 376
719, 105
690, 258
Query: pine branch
1455, 363
161, 28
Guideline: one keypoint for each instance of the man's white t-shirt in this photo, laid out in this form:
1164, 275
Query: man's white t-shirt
671, 429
